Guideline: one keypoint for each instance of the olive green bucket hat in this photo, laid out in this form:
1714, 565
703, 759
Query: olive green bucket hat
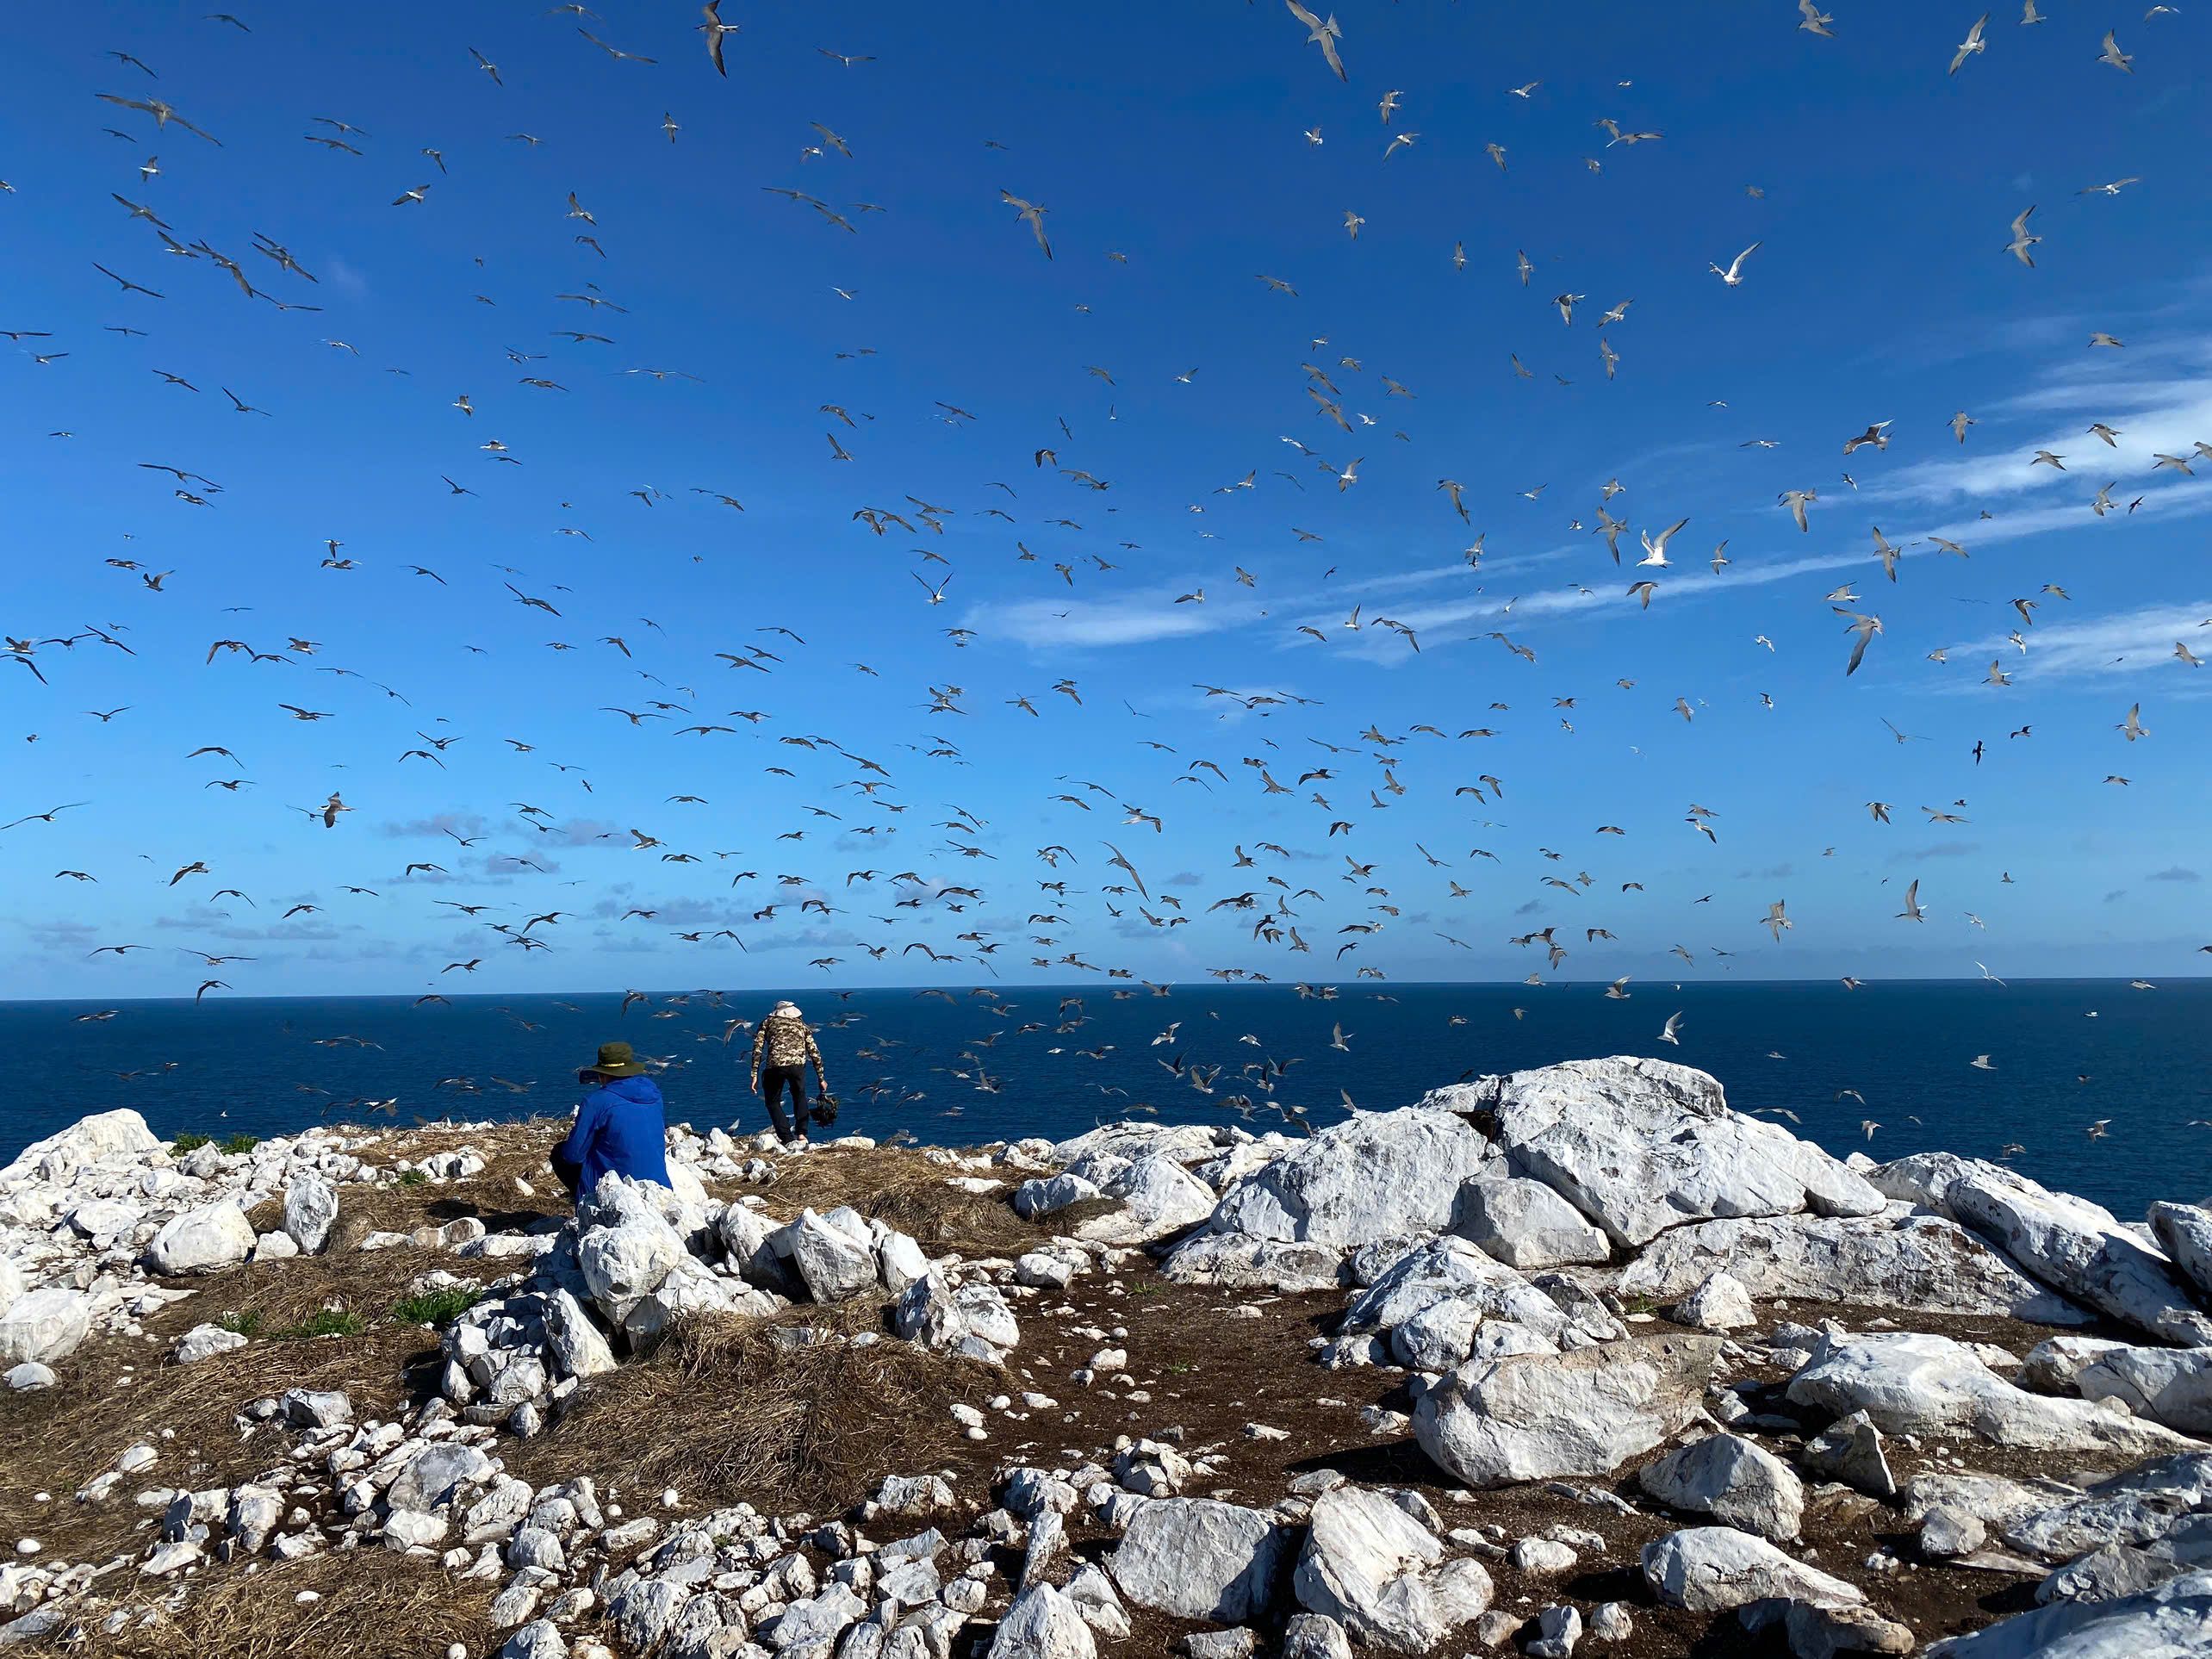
615, 1060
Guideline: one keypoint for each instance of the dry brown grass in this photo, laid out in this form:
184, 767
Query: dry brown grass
374, 1605
897, 1186
57, 1440
510, 1150
724, 1414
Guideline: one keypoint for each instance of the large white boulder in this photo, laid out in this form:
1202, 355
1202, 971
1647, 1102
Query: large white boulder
1910, 1384
1043, 1624
1237, 1261
1378, 1175
1640, 1146
625, 1264
202, 1240
118, 1134
2166, 1623
1731, 1479
1525, 1224
1129, 1139
1381, 1575
1158, 1198
1711, 1568
43, 1326
310, 1211
11, 1282
1450, 1274
2185, 1231
1534, 1417
1922, 1263
1196, 1558
2172, 1386
832, 1255
2068, 1242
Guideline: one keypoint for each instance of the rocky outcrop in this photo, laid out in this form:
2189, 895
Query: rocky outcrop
2174, 1619
1641, 1145
1533, 1417
1915, 1262
1908, 1383
2074, 1247
1525, 1224
1381, 1175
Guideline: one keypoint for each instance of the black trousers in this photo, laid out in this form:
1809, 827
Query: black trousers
774, 1080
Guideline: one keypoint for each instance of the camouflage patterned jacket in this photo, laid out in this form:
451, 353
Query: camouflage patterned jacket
785, 1043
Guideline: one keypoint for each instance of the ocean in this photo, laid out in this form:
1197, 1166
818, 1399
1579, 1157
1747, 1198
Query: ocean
957, 1068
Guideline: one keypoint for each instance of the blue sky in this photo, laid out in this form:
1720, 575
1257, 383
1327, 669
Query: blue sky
1177, 138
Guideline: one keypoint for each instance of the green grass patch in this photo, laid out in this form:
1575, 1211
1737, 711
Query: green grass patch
247, 1324
239, 1143
413, 1178
188, 1142
436, 1307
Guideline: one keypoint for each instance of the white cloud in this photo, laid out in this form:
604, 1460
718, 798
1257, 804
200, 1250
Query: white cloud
2126, 642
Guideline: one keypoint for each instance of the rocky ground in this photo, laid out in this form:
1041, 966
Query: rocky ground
1577, 1359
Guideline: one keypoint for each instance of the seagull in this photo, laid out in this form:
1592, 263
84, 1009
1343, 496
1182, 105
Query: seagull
1667, 1032
1973, 46
1320, 32
1733, 275
2017, 247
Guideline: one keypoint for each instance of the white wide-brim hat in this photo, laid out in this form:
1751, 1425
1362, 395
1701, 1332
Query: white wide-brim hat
788, 1009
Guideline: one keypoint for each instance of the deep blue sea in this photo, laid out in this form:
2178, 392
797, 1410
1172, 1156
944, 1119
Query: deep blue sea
2064, 1052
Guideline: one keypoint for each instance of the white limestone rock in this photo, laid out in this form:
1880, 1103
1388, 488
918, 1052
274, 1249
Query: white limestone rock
2172, 1386
1732, 1480
310, 1211
2184, 1232
203, 1241
1197, 1558
2068, 1243
2171, 1620
117, 1136
1378, 1175
1917, 1262
1640, 1146
1531, 1417
1043, 1624
1381, 1575
1721, 1303
44, 1327
1237, 1261
1711, 1568
833, 1258
1524, 1224
1910, 1384
1158, 1198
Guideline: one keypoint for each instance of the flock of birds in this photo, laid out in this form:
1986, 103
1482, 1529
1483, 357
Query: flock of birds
1324, 901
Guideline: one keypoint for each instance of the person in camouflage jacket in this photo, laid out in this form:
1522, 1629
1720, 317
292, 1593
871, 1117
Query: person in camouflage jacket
783, 1048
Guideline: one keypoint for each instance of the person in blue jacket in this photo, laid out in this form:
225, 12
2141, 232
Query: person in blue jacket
621, 1127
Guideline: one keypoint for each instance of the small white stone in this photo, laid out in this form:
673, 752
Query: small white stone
27, 1546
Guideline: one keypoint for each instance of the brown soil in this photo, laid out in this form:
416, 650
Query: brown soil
722, 1413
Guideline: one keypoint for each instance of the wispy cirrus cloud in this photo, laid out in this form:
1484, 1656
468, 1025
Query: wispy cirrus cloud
2122, 643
